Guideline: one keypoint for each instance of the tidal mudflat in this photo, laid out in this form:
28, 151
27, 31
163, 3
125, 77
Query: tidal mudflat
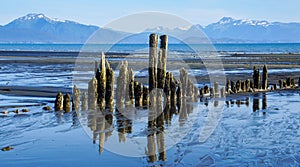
254, 129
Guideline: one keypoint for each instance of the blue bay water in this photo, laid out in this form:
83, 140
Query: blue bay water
132, 48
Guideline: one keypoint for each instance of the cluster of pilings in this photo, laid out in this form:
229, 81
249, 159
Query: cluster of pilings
287, 83
249, 85
163, 87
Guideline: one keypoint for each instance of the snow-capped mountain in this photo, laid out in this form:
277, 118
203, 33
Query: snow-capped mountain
253, 31
38, 28
232, 21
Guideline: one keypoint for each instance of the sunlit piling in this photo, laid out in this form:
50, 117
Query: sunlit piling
121, 84
92, 94
227, 87
58, 104
238, 86
109, 92
76, 98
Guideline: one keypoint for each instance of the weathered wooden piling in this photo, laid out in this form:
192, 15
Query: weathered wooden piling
265, 78
162, 62
233, 88
243, 86
131, 86
92, 94
293, 83
280, 84
228, 86
288, 81
76, 98
101, 78
183, 81
256, 78
179, 94
206, 90
201, 92
153, 44
167, 88
145, 96
59, 102
83, 102
275, 86
173, 90
248, 85
67, 102
238, 85
284, 84
121, 85
109, 92
138, 94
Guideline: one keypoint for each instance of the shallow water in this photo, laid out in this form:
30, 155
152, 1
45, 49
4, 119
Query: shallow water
261, 130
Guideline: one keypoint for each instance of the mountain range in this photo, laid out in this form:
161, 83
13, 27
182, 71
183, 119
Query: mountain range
38, 28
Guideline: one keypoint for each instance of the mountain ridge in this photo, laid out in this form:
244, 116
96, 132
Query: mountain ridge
38, 28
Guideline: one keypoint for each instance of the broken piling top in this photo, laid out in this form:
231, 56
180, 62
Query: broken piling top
265, 69
101, 77
164, 42
102, 63
265, 78
153, 40
162, 62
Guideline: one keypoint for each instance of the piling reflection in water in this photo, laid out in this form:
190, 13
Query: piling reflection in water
246, 101
102, 123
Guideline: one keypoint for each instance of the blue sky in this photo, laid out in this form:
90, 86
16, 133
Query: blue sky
98, 12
